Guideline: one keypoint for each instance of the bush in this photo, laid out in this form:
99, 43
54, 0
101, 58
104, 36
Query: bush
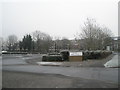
65, 55
52, 58
95, 54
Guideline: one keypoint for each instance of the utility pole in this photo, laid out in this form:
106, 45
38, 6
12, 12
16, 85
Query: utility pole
55, 47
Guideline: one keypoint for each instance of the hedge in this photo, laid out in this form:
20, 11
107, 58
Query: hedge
52, 58
96, 54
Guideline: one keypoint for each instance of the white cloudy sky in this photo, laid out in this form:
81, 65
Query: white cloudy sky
62, 18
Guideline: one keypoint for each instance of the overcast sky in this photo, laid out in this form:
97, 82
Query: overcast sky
63, 18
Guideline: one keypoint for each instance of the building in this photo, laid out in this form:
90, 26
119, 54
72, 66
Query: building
115, 46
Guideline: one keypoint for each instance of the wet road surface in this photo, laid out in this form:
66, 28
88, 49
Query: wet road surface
18, 64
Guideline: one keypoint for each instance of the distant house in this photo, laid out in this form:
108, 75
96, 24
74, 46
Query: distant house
115, 43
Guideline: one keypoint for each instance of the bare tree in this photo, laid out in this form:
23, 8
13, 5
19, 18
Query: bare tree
42, 41
65, 43
37, 39
3, 44
57, 44
11, 42
94, 36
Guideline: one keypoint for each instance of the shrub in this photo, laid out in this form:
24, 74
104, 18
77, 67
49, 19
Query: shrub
95, 54
65, 55
52, 58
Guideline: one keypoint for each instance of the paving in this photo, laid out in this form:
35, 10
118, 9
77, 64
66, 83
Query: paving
114, 62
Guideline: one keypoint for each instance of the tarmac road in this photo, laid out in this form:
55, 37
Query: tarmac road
11, 59
41, 80
102, 74
99, 77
